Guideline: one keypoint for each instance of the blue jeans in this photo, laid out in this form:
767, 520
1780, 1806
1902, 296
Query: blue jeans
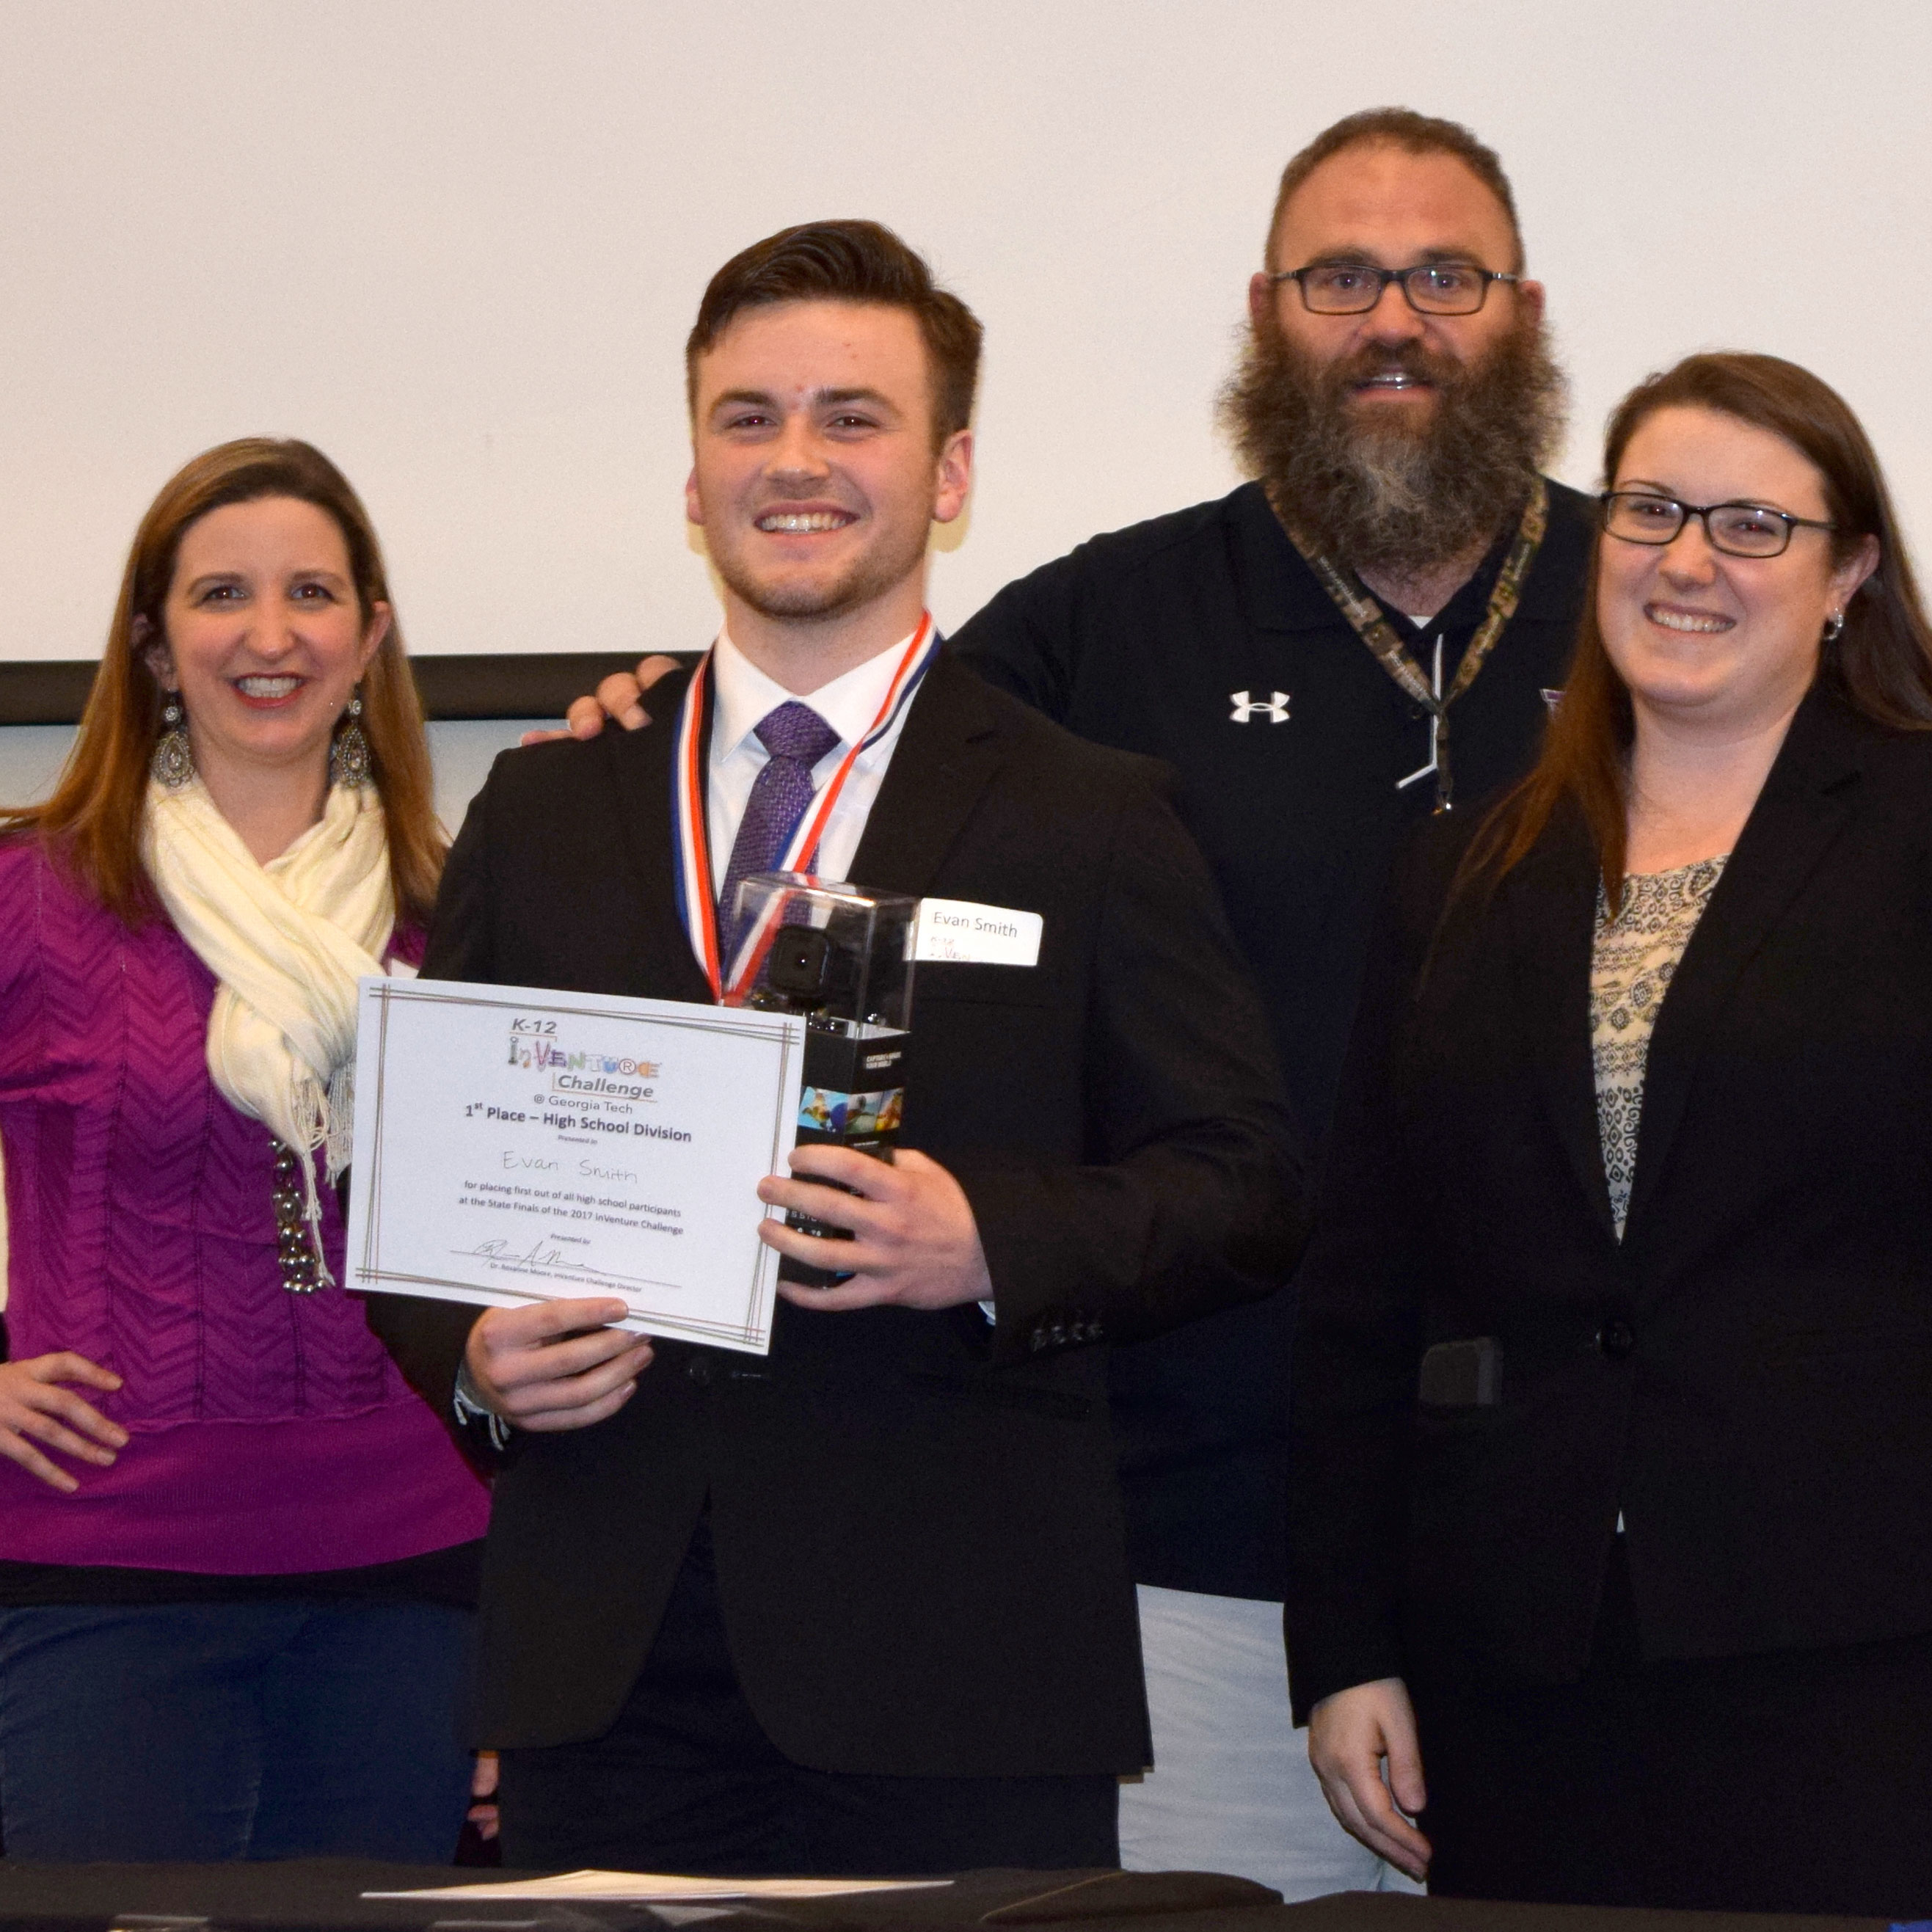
295, 1729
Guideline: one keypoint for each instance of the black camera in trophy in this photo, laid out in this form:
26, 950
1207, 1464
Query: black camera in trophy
809, 971
841, 958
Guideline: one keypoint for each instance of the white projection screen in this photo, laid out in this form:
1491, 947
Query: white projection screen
457, 243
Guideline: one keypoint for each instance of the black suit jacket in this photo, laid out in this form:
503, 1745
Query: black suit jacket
916, 1526
1748, 1377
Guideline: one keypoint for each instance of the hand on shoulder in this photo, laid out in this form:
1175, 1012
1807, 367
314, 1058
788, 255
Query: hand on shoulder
620, 696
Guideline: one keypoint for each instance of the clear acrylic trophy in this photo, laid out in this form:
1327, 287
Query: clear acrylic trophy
842, 957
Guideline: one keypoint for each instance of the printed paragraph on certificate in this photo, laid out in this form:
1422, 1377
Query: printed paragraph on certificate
514, 1145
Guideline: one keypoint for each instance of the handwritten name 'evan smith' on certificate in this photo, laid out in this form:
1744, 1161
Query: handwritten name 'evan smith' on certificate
515, 1145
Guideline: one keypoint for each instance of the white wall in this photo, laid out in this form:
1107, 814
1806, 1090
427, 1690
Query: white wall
458, 242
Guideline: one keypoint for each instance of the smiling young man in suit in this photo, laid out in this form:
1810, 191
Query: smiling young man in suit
863, 1604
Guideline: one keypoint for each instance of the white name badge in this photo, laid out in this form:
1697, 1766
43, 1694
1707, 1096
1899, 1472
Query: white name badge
957, 932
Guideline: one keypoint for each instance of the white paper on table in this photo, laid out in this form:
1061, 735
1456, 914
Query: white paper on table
514, 1145
642, 1887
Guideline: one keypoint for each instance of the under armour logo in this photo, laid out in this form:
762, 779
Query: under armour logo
1245, 705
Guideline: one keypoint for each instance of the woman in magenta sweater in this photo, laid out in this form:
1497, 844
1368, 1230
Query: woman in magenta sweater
236, 1551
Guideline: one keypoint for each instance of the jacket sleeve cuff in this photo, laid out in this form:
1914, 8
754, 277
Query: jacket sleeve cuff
1321, 1664
1035, 1263
471, 1411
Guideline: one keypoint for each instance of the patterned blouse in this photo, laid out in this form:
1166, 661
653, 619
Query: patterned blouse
1633, 957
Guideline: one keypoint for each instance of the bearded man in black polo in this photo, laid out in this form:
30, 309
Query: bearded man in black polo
1370, 631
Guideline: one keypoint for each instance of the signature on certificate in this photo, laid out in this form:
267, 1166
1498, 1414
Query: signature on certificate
547, 1257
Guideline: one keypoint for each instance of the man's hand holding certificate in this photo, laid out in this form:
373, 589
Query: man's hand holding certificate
554, 1365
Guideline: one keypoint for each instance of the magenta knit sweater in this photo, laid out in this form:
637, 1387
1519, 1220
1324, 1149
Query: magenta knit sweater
270, 1432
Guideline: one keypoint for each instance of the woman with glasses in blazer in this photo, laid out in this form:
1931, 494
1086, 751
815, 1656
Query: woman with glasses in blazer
1612, 1490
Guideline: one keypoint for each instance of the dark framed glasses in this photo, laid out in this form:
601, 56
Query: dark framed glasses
1738, 529
1431, 288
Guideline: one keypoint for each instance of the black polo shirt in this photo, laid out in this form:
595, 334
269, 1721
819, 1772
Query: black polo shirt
1203, 638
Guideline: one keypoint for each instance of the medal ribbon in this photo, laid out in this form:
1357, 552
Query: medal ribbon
697, 896
1375, 630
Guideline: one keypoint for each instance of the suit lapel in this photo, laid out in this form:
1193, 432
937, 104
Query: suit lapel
1552, 903
949, 749
1806, 801
639, 766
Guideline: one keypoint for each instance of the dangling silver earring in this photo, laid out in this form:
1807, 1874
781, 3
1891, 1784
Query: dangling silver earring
349, 761
172, 764
1833, 624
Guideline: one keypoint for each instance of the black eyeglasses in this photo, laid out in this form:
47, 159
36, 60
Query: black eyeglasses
1738, 529
1431, 288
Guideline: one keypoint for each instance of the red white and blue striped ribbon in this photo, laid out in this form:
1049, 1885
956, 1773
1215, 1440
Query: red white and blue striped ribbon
697, 896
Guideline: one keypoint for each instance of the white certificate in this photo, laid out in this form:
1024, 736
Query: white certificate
515, 1145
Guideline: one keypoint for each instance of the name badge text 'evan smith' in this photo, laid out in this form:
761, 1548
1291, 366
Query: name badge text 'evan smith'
958, 932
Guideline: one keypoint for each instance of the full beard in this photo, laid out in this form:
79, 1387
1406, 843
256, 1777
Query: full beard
1384, 495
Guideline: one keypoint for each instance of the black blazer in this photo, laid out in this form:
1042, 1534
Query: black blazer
1748, 1378
915, 1521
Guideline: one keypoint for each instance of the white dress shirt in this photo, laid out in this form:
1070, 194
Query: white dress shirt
742, 695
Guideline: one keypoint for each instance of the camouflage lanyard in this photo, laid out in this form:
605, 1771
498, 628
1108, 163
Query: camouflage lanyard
1375, 630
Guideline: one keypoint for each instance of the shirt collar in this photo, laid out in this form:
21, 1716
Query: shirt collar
1470, 603
1279, 593
743, 695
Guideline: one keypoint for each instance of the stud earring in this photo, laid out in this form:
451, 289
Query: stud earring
172, 765
1834, 625
349, 760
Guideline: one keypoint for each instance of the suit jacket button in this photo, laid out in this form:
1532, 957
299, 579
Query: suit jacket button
1616, 1340
700, 1370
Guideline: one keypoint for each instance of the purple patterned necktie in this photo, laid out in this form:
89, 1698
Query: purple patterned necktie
797, 738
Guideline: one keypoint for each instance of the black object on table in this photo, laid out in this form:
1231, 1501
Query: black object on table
325, 1895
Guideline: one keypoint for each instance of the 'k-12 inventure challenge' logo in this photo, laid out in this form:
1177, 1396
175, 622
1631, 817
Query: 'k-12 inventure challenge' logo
533, 1044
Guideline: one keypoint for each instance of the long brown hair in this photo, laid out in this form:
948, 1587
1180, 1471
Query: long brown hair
94, 815
1881, 664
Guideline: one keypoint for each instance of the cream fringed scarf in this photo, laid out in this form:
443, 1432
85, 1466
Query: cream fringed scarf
288, 941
